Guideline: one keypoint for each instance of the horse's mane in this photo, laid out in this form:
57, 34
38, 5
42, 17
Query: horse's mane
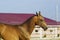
28, 20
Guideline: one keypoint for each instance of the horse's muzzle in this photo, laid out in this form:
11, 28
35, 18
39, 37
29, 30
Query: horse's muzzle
45, 28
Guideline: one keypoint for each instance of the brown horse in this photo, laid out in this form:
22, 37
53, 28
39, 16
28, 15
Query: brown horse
22, 31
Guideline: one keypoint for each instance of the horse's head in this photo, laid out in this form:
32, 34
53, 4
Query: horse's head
39, 20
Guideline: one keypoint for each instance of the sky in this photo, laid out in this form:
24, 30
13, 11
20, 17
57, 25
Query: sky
48, 8
58, 10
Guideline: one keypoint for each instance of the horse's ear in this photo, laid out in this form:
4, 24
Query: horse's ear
36, 13
39, 13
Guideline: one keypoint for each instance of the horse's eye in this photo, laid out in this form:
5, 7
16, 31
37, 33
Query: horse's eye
41, 20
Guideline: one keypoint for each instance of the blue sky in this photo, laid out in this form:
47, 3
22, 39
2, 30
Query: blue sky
48, 8
59, 10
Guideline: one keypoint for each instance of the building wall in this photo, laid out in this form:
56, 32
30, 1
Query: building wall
53, 31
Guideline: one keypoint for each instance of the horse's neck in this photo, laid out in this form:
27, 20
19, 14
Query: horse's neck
29, 25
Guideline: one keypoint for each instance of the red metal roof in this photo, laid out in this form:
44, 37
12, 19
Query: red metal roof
20, 18
14, 18
51, 22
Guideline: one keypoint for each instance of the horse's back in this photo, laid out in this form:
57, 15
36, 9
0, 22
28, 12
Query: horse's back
8, 30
